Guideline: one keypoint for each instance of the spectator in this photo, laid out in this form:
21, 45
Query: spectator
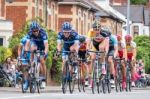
10, 70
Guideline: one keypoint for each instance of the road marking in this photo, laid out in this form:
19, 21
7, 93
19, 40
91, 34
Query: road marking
20, 97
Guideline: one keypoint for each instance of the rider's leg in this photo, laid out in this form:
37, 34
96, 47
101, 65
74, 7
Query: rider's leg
123, 74
133, 69
43, 67
112, 70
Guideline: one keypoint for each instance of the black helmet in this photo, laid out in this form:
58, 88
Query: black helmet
82, 39
105, 33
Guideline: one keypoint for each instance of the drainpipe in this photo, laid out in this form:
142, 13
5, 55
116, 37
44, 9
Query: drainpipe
46, 12
36, 7
128, 17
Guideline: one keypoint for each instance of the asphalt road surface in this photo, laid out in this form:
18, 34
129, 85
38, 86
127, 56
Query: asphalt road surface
55, 93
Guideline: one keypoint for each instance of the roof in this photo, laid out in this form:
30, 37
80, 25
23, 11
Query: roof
136, 12
147, 17
84, 3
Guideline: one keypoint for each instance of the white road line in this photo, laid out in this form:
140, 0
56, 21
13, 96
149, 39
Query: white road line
19, 97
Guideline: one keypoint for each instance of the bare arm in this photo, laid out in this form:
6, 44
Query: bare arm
46, 47
116, 51
19, 50
27, 45
88, 43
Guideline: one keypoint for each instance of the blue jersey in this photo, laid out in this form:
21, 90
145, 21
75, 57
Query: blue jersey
112, 42
73, 38
24, 40
38, 40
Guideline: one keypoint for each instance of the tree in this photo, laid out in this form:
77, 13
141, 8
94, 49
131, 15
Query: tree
139, 2
4, 53
143, 45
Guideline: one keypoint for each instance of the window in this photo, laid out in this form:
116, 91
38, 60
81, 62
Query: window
1, 41
136, 30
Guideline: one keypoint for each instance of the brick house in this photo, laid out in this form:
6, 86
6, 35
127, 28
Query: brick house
6, 27
2, 9
19, 11
79, 12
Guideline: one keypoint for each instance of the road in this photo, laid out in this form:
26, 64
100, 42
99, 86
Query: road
55, 93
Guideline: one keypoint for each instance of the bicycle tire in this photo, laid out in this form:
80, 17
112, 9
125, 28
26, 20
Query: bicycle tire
64, 78
22, 82
72, 80
94, 81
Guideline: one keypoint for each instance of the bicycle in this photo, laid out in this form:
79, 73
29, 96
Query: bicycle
118, 78
128, 75
21, 65
97, 82
81, 74
34, 77
69, 72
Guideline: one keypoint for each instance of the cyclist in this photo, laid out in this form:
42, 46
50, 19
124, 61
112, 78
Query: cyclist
39, 39
112, 53
82, 54
24, 63
122, 54
131, 55
67, 40
100, 42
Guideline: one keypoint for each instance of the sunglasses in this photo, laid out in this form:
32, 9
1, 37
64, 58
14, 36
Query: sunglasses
35, 31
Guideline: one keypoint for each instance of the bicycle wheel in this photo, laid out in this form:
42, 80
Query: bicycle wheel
94, 84
128, 82
65, 74
118, 81
22, 88
72, 79
33, 86
38, 86
81, 80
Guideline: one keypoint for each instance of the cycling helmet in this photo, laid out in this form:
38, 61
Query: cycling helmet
119, 37
96, 25
66, 26
128, 37
105, 33
34, 25
82, 39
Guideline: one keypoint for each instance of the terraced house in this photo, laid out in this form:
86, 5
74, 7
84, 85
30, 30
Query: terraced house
53, 12
6, 27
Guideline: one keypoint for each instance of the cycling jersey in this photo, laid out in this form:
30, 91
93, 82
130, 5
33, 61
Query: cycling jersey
112, 43
97, 38
82, 47
24, 40
68, 42
39, 40
129, 48
121, 46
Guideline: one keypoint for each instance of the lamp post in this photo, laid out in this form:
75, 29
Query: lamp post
128, 17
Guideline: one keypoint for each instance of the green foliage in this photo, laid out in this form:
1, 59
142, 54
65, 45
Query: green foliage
4, 53
143, 45
139, 2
